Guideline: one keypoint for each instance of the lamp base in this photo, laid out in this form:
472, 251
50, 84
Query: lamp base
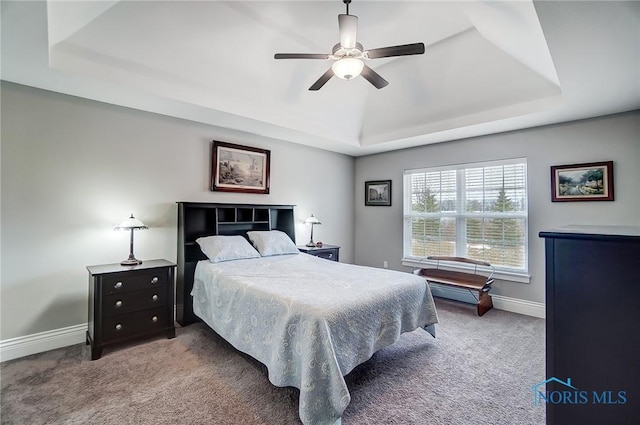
130, 262
311, 244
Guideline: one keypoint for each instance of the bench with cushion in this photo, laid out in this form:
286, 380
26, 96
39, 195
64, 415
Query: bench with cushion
467, 280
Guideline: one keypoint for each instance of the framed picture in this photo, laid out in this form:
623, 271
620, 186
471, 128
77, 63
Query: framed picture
377, 193
236, 168
582, 182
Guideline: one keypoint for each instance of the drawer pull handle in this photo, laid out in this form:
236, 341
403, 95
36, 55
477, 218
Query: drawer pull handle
154, 319
155, 298
118, 285
118, 304
155, 279
118, 326
331, 255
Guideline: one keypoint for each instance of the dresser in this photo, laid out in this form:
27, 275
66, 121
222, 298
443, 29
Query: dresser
593, 325
127, 303
328, 252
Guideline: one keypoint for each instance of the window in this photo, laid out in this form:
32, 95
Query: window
468, 210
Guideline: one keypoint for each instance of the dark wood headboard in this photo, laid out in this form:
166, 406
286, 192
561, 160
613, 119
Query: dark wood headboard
197, 219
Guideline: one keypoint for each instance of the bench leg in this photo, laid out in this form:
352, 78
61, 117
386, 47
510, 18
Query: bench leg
484, 303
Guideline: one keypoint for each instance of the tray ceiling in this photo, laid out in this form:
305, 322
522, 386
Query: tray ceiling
489, 66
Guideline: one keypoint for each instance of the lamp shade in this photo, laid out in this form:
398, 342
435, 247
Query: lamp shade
312, 220
131, 223
347, 68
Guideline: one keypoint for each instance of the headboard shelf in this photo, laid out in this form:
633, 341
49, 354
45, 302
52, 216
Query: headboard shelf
199, 219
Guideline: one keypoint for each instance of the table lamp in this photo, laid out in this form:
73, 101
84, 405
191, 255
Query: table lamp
312, 221
131, 224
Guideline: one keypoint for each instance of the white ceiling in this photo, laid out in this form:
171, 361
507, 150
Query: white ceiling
489, 66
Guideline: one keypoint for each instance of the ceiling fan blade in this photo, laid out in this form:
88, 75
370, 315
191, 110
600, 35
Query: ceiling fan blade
322, 80
403, 50
348, 25
301, 56
373, 77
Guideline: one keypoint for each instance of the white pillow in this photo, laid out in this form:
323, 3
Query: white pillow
272, 242
226, 248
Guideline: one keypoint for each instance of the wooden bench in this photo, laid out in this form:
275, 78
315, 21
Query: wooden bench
471, 281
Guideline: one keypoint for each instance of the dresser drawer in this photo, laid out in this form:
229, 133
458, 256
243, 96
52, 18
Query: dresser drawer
328, 254
126, 325
132, 301
124, 282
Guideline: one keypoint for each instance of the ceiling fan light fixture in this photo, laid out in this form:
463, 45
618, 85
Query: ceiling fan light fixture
347, 68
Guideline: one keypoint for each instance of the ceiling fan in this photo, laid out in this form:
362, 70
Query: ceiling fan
349, 55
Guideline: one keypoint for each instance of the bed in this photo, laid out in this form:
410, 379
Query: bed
308, 320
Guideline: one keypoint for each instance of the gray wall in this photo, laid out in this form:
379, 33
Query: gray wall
72, 169
616, 137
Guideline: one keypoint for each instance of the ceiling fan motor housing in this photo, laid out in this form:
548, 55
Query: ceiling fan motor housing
339, 52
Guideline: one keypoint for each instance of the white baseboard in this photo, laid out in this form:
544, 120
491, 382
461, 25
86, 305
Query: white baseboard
500, 302
44, 341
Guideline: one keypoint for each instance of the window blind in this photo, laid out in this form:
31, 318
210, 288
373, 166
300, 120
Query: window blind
468, 210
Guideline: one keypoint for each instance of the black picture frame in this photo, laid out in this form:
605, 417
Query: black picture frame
238, 168
377, 193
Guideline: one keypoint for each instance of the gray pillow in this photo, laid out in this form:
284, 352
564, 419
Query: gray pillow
226, 248
273, 242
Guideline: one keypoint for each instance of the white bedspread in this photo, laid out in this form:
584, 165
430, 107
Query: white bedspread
310, 320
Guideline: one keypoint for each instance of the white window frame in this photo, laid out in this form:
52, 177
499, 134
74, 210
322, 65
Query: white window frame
503, 273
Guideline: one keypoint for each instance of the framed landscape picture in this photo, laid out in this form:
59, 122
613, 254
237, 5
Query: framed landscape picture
377, 193
237, 168
582, 182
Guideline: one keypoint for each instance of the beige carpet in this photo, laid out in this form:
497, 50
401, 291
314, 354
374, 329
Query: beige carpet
479, 370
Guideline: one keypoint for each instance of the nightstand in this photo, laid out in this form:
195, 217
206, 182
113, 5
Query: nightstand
128, 303
329, 252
